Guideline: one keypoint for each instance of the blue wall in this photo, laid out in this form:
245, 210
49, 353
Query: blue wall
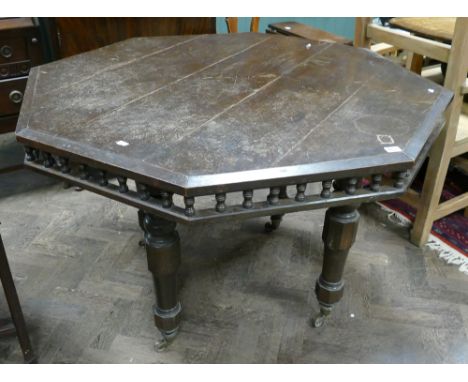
343, 26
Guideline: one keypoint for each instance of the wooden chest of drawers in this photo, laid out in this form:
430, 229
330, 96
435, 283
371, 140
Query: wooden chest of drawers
20, 49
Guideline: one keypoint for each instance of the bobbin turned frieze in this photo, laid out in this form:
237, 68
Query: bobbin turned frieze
161, 201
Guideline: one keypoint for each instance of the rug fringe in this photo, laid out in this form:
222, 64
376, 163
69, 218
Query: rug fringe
396, 217
449, 254
445, 252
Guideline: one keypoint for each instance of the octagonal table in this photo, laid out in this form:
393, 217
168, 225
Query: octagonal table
158, 122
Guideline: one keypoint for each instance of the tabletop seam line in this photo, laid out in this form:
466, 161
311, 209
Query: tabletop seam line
227, 109
120, 65
322, 121
173, 82
251, 94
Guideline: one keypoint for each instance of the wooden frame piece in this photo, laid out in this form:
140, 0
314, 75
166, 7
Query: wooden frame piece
437, 50
14, 306
446, 146
232, 24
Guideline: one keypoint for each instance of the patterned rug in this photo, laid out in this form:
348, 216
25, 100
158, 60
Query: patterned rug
449, 235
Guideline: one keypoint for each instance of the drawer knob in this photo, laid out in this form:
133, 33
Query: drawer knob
16, 96
6, 51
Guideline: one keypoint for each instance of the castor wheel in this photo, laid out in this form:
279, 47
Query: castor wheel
161, 344
141, 243
273, 224
319, 321
164, 340
269, 227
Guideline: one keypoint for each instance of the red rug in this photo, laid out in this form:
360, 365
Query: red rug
449, 235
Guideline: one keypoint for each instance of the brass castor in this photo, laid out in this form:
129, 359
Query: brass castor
320, 319
269, 227
165, 340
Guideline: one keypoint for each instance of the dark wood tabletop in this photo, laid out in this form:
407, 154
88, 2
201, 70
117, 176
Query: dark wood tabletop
200, 113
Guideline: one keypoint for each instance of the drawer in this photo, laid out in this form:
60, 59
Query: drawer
8, 124
15, 69
13, 49
11, 95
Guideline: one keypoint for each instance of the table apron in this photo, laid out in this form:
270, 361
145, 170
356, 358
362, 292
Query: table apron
263, 208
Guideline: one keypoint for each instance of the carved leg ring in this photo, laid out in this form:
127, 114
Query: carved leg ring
163, 251
339, 233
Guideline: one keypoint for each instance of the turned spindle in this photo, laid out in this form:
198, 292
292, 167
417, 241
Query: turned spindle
400, 179
248, 196
350, 187
103, 175
84, 172
300, 195
143, 191
375, 182
220, 202
189, 202
273, 197
64, 167
36, 154
326, 188
123, 188
29, 153
48, 160
276, 193
166, 198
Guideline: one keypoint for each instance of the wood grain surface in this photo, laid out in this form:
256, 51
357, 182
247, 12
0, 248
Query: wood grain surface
197, 110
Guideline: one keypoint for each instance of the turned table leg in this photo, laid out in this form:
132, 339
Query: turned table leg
339, 233
163, 251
